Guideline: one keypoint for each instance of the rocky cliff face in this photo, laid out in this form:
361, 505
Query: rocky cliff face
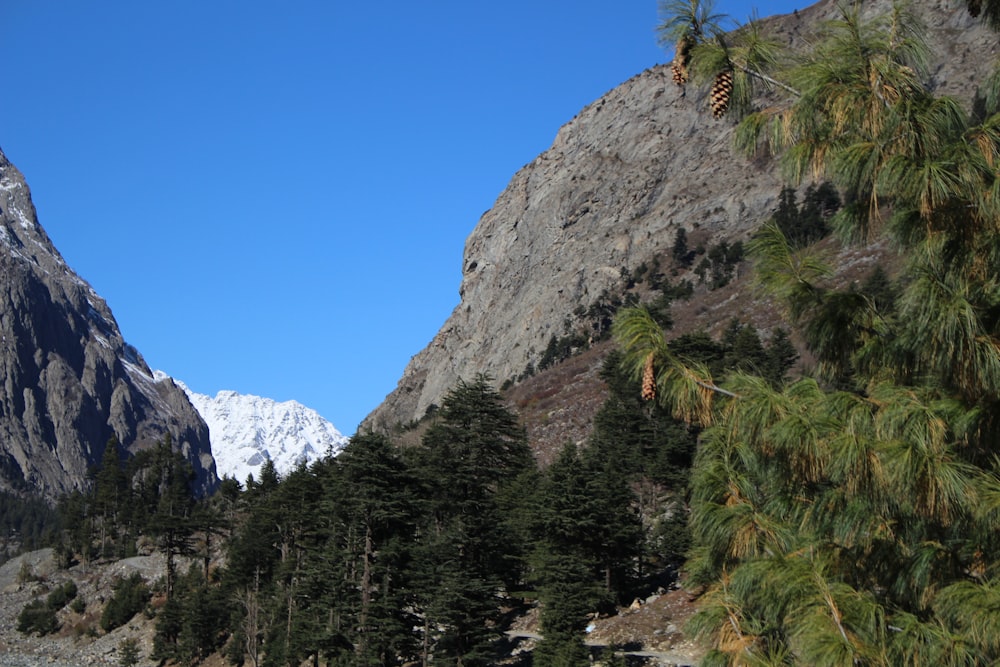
621, 178
70, 382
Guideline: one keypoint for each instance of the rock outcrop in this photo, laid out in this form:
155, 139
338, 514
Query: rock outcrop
621, 178
70, 382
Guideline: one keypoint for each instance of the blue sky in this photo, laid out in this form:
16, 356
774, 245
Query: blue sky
273, 197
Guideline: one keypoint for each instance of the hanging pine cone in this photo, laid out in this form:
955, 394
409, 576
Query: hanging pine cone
682, 54
648, 380
679, 72
722, 90
977, 568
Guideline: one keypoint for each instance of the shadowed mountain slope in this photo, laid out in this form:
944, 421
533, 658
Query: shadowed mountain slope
70, 382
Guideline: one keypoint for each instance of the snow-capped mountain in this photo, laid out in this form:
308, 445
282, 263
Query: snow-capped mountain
247, 430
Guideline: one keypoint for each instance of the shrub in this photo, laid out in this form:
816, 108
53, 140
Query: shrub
40, 617
85, 626
58, 598
37, 617
128, 652
26, 574
64, 556
130, 596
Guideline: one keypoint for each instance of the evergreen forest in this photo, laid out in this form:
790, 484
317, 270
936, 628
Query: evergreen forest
423, 554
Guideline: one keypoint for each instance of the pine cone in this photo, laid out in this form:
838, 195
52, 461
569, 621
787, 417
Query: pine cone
680, 73
648, 380
682, 54
722, 90
978, 566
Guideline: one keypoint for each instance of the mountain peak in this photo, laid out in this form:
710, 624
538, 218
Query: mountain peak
247, 430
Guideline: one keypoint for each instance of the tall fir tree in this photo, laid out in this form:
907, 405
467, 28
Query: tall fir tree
110, 496
464, 551
375, 515
170, 522
565, 564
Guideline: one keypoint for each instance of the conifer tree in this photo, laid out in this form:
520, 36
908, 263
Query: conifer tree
680, 252
464, 552
639, 439
850, 518
291, 507
565, 565
170, 523
77, 525
271, 559
373, 506
110, 495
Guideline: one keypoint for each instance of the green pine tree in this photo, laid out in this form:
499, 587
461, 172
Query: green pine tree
170, 522
110, 495
565, 562
376, 514
850, 518
464, 552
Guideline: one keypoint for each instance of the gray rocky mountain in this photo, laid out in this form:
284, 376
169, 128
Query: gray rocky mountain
620, 179
70, 382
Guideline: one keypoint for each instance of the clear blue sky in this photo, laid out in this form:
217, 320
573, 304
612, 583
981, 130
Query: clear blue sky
273, 197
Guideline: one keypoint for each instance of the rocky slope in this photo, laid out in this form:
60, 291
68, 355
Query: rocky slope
33, 575
621, 178
248, 430
618, 182
70, 382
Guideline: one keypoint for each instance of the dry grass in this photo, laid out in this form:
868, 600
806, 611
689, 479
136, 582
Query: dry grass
558, 404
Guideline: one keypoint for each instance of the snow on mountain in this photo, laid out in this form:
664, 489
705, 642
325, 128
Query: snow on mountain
247, 430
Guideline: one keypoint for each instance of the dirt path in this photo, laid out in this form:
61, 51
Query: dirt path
662, 658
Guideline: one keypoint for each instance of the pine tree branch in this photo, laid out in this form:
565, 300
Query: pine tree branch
767, 79
715, 388
704, 384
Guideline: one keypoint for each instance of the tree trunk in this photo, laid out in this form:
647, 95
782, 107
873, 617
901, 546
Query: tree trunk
427, 641
366, 592
251, 618
208, 551
171, 567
